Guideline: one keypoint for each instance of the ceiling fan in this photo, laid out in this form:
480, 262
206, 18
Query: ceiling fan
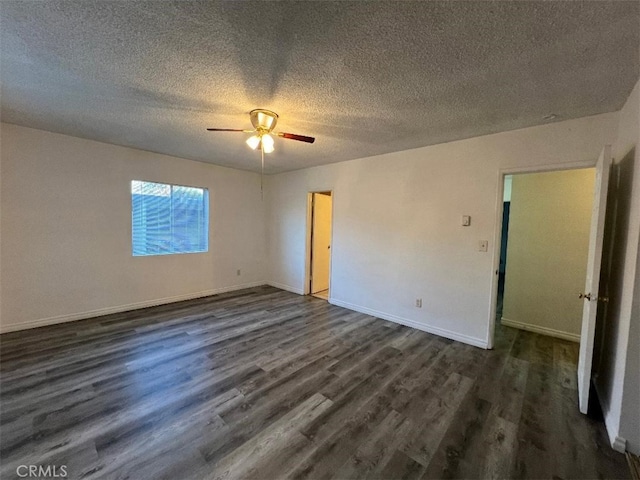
264, 121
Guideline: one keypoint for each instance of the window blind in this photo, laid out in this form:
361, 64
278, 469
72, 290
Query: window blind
168, 219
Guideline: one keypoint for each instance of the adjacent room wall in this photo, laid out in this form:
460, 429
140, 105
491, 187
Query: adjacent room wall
549, 226
321, 243
618, 371
397, 233
66, 230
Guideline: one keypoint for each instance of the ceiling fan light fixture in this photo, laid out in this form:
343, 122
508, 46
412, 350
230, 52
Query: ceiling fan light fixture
268, 149
253, 141
267, 143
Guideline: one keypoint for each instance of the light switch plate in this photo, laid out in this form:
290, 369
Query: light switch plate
466, 220
483, 246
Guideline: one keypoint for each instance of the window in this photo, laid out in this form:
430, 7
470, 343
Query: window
168, 219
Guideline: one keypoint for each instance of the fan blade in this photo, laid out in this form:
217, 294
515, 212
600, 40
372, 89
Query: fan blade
227, 130
293, 136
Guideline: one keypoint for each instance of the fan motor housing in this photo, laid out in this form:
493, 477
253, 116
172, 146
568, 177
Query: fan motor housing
263, 120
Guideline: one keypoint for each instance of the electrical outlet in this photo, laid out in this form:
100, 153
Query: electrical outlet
419, 302
238, 272
483, 245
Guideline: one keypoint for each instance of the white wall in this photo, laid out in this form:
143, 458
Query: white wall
0, 228
618, 375
549, 226
630, 415
66, 229
628, 141
397, 232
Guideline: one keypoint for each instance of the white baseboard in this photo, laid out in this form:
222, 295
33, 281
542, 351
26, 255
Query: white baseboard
288, 288
619, 444
572, 337
42, 322
476, 342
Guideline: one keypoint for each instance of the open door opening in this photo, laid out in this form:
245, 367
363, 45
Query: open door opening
548, 268
319, 235
504, 239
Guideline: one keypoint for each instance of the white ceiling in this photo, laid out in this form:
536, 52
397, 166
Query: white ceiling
364, 78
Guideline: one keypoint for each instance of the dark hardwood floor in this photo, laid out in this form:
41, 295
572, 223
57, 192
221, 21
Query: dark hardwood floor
266, 384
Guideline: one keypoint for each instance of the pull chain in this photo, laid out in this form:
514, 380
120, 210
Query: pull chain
262, 172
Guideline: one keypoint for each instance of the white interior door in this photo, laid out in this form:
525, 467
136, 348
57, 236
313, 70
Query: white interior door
321, 242
594, 260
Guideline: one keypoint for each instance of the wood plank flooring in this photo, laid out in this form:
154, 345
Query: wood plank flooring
265, 384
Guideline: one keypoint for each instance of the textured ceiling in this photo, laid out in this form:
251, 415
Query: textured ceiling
364, 78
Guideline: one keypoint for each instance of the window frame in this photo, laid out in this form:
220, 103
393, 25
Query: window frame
206, 217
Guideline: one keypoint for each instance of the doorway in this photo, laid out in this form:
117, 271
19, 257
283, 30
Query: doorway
544, 250
532, 292
319, 241
504, 239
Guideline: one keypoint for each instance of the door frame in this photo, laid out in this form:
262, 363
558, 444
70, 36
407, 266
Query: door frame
557, 167
308, 250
